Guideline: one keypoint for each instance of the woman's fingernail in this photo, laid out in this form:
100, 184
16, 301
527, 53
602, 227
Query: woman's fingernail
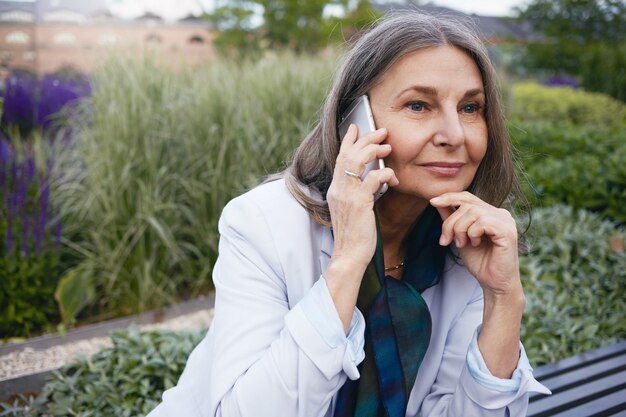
435, 200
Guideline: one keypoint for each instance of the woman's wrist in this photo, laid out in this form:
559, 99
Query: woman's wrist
500, 331
511, 302
343, 280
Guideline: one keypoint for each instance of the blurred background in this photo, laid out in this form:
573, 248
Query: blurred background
127, 125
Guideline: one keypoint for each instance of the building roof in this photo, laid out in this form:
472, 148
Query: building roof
149, 16
86, 8
93, 10
6, 6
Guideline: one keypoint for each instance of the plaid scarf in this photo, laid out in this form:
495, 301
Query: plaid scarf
398, 325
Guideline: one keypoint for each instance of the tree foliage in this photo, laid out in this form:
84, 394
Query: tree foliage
585, 38
580, 21
248, 26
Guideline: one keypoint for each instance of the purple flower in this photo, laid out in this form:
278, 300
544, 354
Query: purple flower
5, 162
42, 220
25, 213
56, 91
19, 100
29, 170
561, 81
25, 234
9, 236
13, 203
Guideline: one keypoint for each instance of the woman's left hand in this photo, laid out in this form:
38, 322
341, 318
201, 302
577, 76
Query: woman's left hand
486, 237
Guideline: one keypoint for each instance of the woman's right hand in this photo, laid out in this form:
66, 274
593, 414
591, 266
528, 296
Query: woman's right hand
351, 203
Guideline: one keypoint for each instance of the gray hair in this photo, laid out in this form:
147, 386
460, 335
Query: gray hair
373, 53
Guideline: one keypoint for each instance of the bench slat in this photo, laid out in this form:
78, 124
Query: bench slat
578, 394
598, 407
574, 362
588, 373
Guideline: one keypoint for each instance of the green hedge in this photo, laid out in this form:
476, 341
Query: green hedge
575, 278
123, 381
582, 166
532, 102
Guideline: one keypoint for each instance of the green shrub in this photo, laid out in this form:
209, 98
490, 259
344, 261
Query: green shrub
157, 155
581, 166
574, 277
125, 380
532, 102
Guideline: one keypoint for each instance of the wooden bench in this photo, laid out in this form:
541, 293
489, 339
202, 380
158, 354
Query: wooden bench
592, 384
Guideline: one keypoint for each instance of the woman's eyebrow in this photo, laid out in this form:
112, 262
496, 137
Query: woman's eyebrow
432, 91
474, 92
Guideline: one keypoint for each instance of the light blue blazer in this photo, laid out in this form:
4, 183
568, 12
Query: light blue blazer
276, 347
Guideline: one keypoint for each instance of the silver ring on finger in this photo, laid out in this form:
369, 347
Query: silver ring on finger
351, 174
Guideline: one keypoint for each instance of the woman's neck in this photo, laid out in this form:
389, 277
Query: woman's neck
397, 214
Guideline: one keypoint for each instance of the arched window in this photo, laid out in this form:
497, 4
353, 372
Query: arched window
17, 16
17, 37
64, 38
196, 40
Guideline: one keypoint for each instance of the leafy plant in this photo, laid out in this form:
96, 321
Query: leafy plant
574, 277
581, 166
156, 156
29, 240
125, 380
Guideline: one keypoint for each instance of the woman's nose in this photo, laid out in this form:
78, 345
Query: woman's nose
450, 132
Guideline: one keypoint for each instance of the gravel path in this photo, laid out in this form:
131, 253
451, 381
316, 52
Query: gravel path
28, 360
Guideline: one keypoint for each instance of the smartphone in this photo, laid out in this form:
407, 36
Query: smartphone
360, 113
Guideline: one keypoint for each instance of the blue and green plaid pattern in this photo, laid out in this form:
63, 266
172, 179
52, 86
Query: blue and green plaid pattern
398, 325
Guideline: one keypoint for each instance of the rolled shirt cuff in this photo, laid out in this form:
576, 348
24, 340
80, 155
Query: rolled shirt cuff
316, 327
521, 380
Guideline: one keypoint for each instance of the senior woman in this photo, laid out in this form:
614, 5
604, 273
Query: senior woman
329, 303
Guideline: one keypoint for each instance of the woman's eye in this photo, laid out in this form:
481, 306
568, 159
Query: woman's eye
416, 106
470, 108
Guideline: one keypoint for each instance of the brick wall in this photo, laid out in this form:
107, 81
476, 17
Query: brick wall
84, 47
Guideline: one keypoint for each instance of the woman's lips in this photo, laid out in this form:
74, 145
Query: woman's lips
444, 169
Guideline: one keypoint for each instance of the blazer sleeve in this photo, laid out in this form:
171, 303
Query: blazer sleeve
262, 358
463, 388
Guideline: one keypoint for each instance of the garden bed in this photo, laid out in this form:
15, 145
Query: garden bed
25, 365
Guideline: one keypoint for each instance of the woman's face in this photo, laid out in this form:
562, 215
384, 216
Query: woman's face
432, 103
